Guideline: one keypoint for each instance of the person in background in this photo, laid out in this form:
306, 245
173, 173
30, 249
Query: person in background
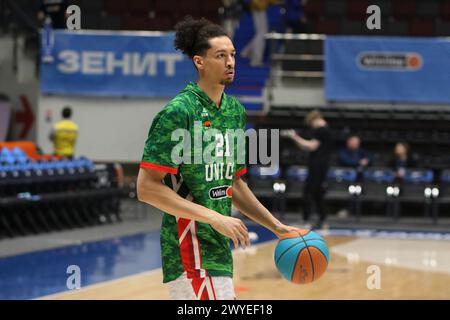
254, 50
56, 10
232, 14
402, 159
64, 135
353, 155
319, 148
295, 17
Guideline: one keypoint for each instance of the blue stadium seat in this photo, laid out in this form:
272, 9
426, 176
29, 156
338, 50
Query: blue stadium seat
8, 160
444, 187
18, 152
5, 152
338, 181
379, 187
262, 182
414, 186
418, 176
295, 181
376, 182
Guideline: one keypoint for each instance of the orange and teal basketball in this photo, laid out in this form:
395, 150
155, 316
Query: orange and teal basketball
302, 256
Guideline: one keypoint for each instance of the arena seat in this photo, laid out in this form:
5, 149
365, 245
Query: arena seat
338, 182
413, 189
421, 28
295, 181
445, 10
328, 26
314, 9
42, 193
404, 9
136, 22
139, 6
376, 184
267, 185
443, 199
428, 9
335, 8
356, 9
115, 7
29, 148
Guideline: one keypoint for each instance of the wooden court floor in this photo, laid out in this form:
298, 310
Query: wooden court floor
346, 278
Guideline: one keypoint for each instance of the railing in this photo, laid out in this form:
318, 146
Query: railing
12, 8
22, 27
292, 56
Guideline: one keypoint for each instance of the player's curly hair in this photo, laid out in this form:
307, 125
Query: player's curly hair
192, 35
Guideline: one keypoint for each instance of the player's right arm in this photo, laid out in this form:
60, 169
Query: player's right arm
151, 190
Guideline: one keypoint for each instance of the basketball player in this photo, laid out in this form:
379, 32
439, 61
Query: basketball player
319, 148
197, 198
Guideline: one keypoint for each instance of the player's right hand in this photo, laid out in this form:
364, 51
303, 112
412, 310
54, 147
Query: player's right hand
234, 229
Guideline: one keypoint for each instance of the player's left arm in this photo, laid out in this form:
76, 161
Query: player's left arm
245, 201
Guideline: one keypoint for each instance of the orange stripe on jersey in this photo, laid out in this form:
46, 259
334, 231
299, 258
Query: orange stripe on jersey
153, 166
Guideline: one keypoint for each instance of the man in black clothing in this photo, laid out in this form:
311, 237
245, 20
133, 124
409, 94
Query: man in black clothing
318, 163
354, 156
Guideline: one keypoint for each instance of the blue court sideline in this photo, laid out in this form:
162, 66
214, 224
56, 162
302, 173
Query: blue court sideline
41, 273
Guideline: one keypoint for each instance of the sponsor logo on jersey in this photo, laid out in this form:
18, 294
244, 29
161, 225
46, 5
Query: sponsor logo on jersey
220, 192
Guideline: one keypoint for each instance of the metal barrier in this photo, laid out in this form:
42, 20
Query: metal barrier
296, 56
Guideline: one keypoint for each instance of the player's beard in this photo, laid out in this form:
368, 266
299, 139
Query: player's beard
226, 82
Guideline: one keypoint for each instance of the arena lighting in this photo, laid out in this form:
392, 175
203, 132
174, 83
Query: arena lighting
390, 191
435, 192
431, 192
279, 187
396, 191
351, 189
393, 191
355, 190
276, 187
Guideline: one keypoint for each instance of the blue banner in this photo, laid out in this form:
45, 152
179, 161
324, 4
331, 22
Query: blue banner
113, 64
385, 69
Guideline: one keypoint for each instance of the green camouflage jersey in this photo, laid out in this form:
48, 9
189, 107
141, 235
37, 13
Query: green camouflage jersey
186, 245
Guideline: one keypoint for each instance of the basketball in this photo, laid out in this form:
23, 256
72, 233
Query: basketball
302, 256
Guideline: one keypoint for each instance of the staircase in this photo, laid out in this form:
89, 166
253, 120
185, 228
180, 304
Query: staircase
250, 81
